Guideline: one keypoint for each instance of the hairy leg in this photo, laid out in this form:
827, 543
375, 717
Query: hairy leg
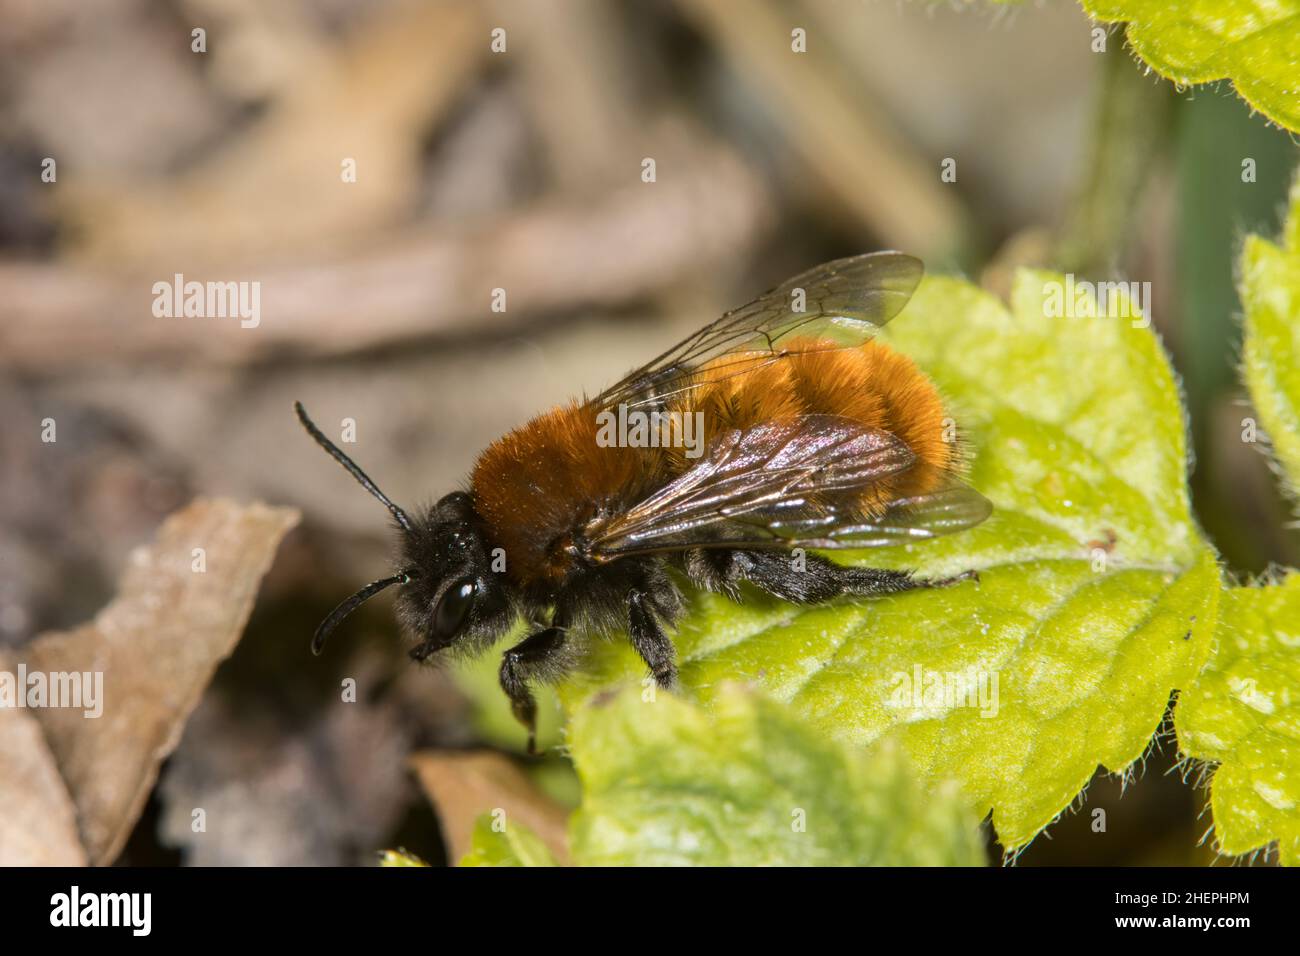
811, 579
538, 657
650, 641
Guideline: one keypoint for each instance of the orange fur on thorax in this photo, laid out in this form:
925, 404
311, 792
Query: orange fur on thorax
536, 484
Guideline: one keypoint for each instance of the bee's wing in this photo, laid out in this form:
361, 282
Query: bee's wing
841, 303
949, 506
788, 483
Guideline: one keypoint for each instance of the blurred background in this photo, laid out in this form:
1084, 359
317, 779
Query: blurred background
523, 168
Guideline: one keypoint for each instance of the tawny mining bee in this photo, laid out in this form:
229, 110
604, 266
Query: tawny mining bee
810, 435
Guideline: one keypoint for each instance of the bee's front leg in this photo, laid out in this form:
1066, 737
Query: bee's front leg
537, 657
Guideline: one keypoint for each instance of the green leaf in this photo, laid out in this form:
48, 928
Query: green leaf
505, 844
749, 784
1244, 713
1096, 596
1270, 294
1255, 45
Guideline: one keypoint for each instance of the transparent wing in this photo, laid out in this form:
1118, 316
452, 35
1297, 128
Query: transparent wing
948, 507
837, 304
797, 482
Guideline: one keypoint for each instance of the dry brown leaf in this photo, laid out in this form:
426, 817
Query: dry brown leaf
38, 826
464, 785
157, 645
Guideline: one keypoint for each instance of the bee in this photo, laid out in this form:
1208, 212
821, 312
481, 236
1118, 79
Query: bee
814, 436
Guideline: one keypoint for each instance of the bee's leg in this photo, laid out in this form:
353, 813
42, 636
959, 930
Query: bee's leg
812, 579
714, 570
650, 641
538, 657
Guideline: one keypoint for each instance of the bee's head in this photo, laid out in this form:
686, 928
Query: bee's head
451, 592
448, 589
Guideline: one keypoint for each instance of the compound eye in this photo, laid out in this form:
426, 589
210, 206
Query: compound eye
454, 606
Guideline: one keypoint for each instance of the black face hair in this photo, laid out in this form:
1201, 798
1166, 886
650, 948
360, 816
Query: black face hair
370, 590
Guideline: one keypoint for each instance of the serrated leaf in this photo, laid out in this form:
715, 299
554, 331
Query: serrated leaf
750, 784
1244, 713
1096, 600
1255, 45
509, 844
1244, 710
1270, 295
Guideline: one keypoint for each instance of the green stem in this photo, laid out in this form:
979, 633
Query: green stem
1132, 117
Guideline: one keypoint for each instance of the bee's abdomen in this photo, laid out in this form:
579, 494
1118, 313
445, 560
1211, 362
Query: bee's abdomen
871, 384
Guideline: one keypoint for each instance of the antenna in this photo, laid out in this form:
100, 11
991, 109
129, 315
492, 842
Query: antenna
351, 604
362, 478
